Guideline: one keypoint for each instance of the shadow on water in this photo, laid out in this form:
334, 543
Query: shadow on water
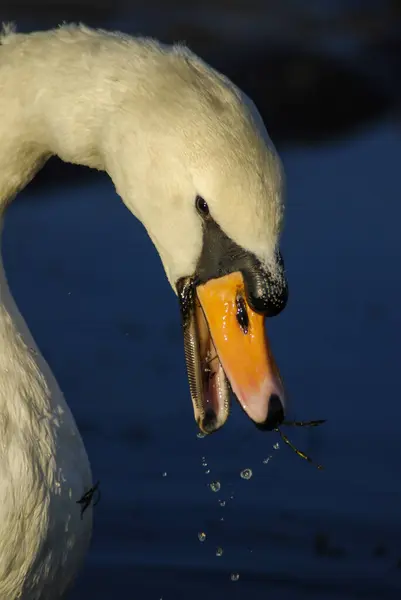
79, 266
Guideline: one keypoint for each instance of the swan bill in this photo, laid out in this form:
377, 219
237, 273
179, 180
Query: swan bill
226, 346
238, 335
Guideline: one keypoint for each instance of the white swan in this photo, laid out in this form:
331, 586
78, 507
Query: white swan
190, 157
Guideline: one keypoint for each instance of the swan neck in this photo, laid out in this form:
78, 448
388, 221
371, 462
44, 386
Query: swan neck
6, 300
56, 104
12, 325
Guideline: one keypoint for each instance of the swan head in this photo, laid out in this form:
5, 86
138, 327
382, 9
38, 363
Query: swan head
193, 161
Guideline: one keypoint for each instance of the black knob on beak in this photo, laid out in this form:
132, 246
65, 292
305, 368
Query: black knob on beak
275, 414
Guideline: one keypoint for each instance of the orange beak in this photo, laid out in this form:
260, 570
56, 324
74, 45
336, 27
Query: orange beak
239, 337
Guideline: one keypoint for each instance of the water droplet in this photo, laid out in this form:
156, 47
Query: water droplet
232, 497
222, 519
219, 551
200, 435
207, 471
164, 474
276, 446
201, 536
215, 486
234, 576
246, 473
266, 460
222, 502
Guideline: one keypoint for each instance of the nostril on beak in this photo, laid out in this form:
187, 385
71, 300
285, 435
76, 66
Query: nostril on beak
275, 414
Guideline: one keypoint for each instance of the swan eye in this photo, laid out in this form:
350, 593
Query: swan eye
201, 206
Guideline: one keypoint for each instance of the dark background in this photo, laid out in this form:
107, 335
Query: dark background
325, 76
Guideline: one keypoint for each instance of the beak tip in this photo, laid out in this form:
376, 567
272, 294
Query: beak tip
275, 414
208, 424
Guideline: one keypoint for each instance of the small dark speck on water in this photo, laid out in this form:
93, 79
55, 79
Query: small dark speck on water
323, 547
379, 550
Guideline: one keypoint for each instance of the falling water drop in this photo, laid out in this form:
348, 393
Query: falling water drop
246, 473
215, 486
234, 576
207, 471
222, 502
200, 435
164, 474
219, 551
276, 446
201, 536
266, 460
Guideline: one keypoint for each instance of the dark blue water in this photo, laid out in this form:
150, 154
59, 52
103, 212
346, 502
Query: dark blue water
93, 292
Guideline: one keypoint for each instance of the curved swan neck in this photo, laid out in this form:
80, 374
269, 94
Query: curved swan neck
21, 364
163, 124
9, 316
96, 99
104, 101
63, 96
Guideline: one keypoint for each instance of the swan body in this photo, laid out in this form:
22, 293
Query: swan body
167, 128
